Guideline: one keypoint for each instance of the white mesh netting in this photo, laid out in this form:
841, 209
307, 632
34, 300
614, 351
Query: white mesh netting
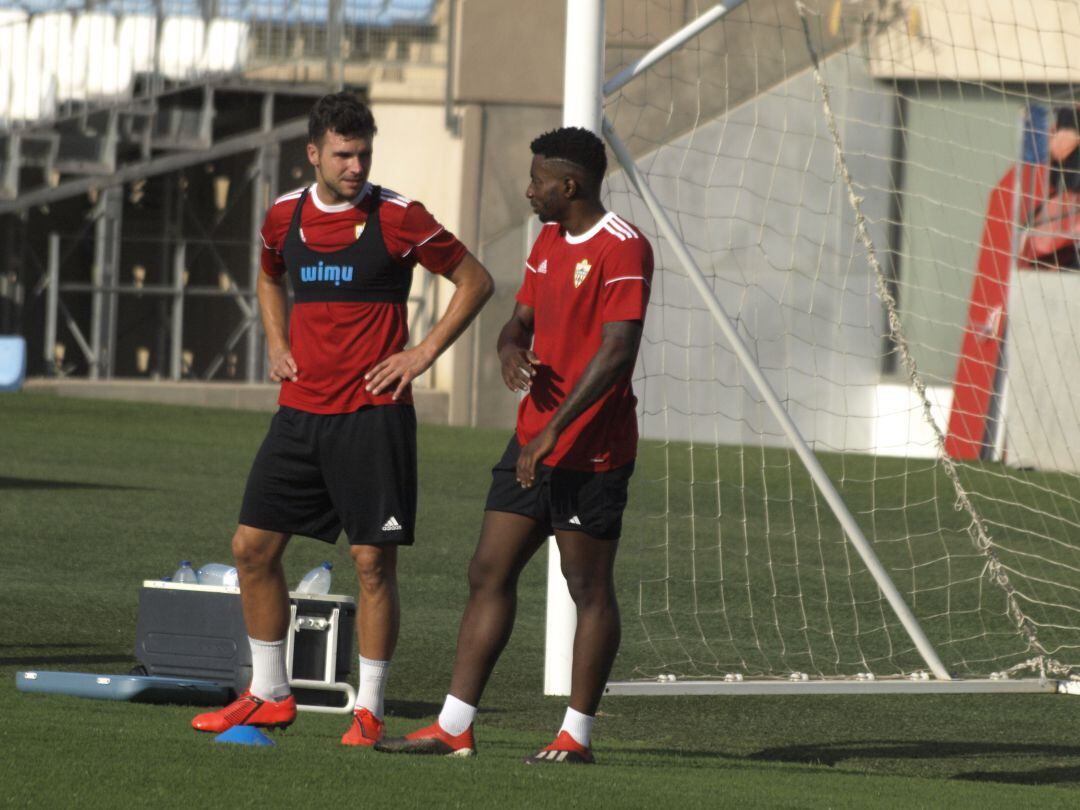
918, 169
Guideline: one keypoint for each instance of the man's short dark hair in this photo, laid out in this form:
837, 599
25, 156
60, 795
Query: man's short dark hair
574, 145
343, 113
1067, 118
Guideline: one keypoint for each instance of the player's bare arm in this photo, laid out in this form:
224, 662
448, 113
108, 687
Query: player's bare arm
514, 347
615, 357
272, 300
473, 287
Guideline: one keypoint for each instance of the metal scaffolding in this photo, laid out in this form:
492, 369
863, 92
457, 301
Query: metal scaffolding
132, 222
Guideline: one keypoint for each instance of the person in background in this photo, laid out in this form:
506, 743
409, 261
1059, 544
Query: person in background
1052, 241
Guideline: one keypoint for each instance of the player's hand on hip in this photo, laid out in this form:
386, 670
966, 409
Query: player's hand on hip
518, 367
532, 454
401, 368
282, 365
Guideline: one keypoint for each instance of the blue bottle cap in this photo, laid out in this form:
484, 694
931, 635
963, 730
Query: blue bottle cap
327, 565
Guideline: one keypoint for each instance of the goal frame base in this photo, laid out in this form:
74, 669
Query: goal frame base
891, 686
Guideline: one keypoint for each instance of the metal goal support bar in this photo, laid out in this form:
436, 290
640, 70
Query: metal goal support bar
888, 686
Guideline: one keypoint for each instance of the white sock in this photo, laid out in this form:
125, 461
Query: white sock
456, 716
372, 685
269, 680
578, 725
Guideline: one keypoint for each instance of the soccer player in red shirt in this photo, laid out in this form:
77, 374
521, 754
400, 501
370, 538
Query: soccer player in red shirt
571, 344
341, 450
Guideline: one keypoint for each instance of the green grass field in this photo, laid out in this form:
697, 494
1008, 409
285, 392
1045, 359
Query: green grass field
95, 497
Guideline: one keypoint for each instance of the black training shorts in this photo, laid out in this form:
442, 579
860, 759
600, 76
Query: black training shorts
563, 500
317, 474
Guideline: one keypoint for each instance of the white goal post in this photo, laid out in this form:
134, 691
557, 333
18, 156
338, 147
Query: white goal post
746, 583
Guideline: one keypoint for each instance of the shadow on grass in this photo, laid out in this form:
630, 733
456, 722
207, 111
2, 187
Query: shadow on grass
38, 659
1038, 776
38, 483
834, 754
412, 709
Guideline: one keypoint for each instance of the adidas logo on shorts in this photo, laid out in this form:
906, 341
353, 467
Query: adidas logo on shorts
391, 525
575, 520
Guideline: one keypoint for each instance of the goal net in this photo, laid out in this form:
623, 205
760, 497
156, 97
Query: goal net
879, 196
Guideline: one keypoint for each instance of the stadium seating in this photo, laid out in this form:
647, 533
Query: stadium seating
55, 52
34, 77
180, 50
13, 34
110, 71
45, 6
226, 46
169, 8
92, 59
369, 13
137, 35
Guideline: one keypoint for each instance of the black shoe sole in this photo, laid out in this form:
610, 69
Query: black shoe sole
430, 747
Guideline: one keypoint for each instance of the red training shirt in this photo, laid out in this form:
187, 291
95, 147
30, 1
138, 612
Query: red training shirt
576, 284
334, 344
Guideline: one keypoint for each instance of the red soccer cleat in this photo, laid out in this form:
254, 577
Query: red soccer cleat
565, 749
248, 710
366, 729
431, 740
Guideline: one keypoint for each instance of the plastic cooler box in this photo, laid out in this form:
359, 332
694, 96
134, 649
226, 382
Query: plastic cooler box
197, 631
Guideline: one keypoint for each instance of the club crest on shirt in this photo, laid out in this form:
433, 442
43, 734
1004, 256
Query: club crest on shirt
581, 270
359, 230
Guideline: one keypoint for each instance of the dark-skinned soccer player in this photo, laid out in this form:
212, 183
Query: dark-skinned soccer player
571, 344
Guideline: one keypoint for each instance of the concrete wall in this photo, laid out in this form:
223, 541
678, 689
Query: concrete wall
766, 219
758, 46
957, 143
504, 239
511, 90
419, 157
416, 155
768, 222
506, 90
472, 173
982, 40
510, 52
1042, 405
786, 234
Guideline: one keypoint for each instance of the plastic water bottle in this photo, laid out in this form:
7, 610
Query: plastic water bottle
185, 574
317, 580
219, 574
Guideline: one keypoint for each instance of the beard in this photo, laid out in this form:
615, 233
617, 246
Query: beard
543, 214
345, 192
